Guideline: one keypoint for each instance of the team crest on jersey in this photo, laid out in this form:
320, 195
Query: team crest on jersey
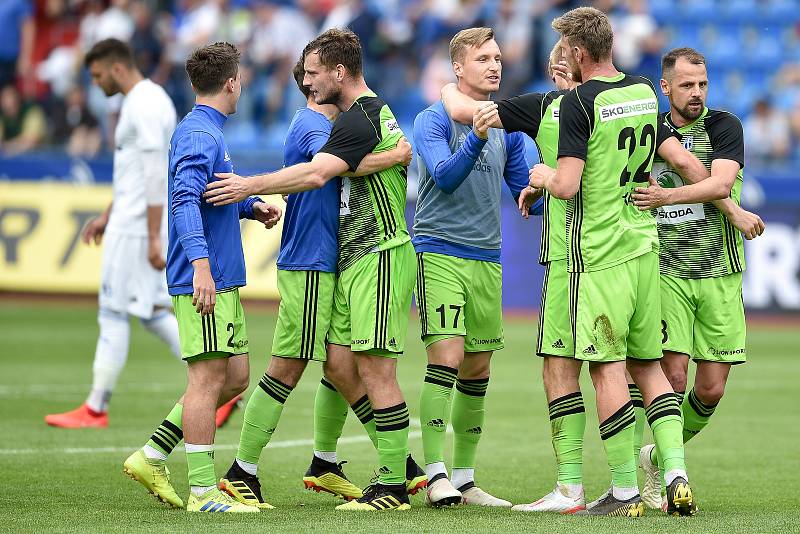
688, 142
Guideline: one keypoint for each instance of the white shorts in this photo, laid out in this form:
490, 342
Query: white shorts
129, 284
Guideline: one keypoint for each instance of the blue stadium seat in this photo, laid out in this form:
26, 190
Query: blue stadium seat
725, 52
698, 10
780, 11
664, 11
738, 10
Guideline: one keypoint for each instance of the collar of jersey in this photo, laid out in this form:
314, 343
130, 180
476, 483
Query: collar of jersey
684, 128
610, 79
215, 116
368, 92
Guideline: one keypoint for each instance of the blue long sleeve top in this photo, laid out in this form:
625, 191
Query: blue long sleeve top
198, 229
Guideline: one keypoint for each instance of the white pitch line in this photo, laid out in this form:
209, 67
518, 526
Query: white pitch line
285, 444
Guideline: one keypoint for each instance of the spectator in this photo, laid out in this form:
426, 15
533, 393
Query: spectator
279, 35
16, 20
512, 26
74, 126
145, 43
22, 125
767, 133
636, 37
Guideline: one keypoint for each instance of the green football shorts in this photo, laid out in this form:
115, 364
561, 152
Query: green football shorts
218, 335
372, 302
460, 297
616, 312
304, 314
704, 318
555, 329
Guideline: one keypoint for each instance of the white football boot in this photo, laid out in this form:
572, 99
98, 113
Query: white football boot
559, 500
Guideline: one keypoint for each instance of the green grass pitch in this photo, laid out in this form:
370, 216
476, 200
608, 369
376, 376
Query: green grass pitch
743, 467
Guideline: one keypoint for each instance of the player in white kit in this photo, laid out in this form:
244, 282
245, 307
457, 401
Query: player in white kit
134, 227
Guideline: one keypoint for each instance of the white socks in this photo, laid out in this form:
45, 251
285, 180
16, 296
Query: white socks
151, 453
109, 357
165, 326
462, 476
247, 467
434, 469
672, 474
327, 456
623, 494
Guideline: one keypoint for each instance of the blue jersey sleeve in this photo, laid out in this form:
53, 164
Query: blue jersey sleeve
195, 163
431, 139
313, 133
516, 171
246, 207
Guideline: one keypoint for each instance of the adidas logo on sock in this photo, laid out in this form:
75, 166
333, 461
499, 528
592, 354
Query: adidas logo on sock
558, 344
436, 423
590, 350
384, 470
474, 430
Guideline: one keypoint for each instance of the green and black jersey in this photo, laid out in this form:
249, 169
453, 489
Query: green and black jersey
610, 123
372, 208
536, 115
697, 240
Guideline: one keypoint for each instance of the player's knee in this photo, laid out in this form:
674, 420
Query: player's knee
286, 370
677, 378
557, 370
710, 394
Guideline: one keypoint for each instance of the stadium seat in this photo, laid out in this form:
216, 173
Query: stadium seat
698, 10
738, 10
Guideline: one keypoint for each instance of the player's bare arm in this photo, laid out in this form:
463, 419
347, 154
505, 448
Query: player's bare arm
379, 161
462, 108
154, 245
94, 229
701, 188
232, 188
562, 182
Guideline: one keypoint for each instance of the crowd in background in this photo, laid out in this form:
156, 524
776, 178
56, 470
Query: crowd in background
47, 101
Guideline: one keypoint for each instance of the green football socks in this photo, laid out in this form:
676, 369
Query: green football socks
261, 417
617, 434
434, 409
468, 414
363, 410
330, 414
567, 426
641, 420
664, 416
200, 463
391, 426
696, 415
169, 433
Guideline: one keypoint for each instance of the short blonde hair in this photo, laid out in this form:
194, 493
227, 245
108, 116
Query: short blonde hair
589, 28
555, 58
469, 37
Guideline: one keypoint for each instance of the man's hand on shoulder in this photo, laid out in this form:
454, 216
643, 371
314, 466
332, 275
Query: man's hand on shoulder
229, 189
267, 214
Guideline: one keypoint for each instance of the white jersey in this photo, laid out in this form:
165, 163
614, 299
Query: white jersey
146, 122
